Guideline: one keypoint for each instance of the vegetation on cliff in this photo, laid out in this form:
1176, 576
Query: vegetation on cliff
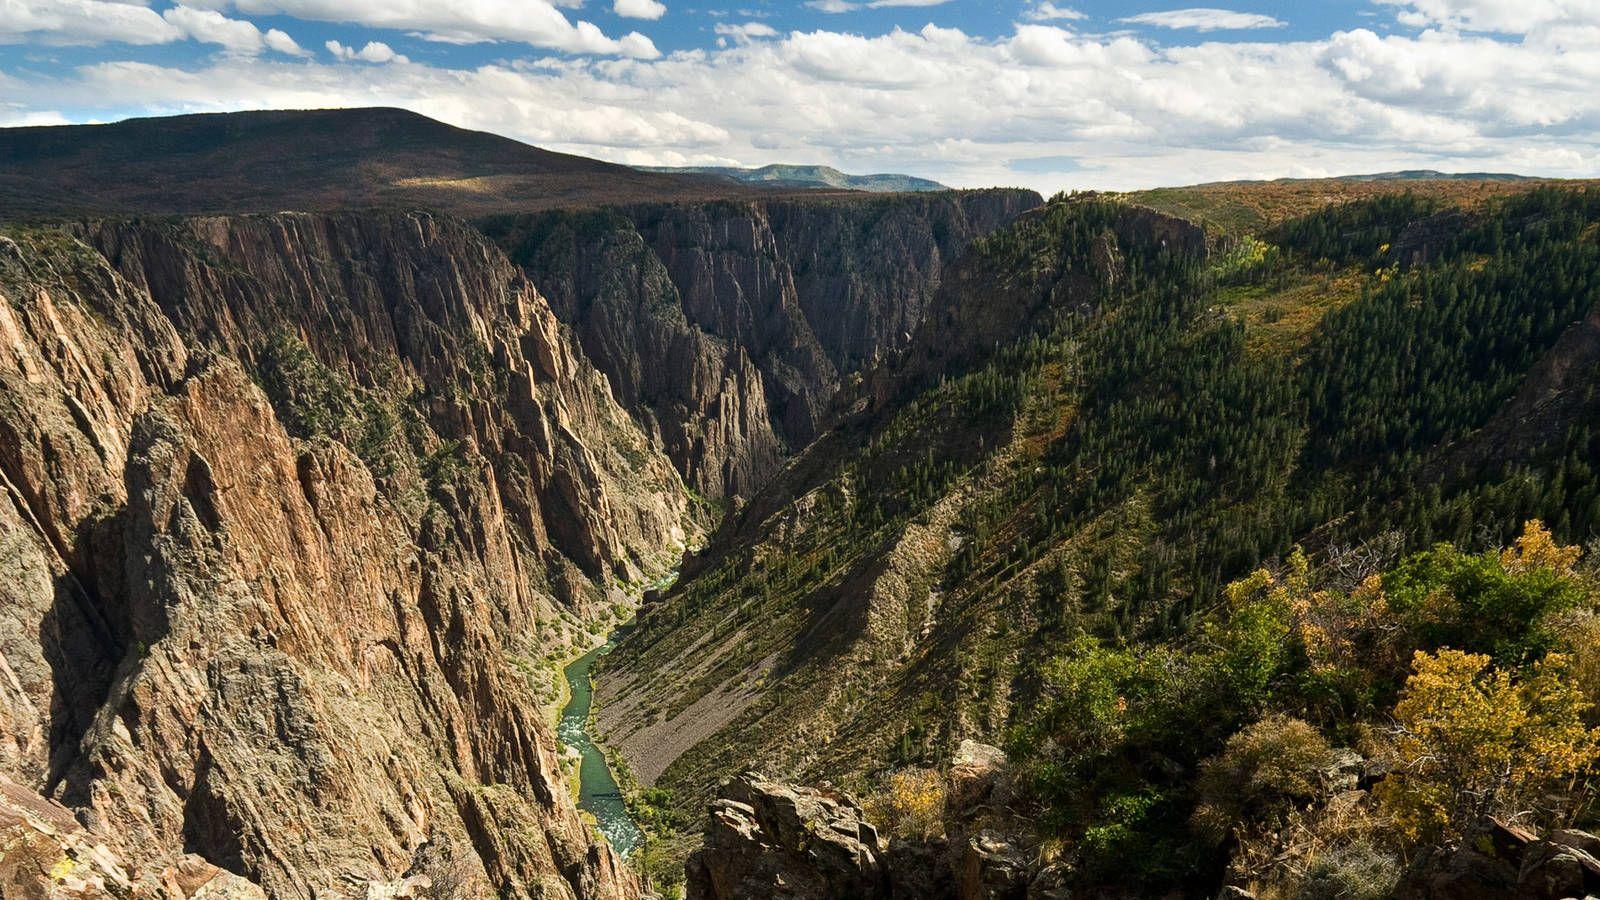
1110, 418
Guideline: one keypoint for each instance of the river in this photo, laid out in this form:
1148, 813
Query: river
598, 793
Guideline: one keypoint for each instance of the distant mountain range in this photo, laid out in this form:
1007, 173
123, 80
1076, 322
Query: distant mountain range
1434, 175
312, 160
782, 175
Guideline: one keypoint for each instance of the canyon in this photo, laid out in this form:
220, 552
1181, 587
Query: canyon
304, 511
970, 542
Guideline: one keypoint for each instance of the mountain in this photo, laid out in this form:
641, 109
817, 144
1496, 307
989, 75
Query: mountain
793, 176
306, 160
303, 511
1141, 493
1181, 542
1249, 207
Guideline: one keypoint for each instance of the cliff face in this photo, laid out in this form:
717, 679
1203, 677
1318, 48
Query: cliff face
296, 506
728, 328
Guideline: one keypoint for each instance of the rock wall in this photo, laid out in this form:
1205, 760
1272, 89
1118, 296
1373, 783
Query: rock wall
294, 632
728, 328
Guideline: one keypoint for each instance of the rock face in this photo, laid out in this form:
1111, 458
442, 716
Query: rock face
772, 840
727, 328
765, 839
289, 503
45, 853
1499, 860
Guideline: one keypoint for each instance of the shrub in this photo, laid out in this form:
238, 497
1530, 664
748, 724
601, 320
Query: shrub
1472, 741
1262, 772
912, 804
1501, 604
1360, 870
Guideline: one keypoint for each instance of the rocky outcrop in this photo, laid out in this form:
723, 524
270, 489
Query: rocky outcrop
766, 839
727, 328
1501, 860
273, 614
1506, 860
45, 853
769, 840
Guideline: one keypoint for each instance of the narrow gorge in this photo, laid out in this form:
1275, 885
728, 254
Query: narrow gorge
305, 512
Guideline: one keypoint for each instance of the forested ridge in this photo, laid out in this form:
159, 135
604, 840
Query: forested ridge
1209, 505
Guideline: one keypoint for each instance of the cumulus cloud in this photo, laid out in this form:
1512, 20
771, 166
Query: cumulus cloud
88, 22
639, 9
1505, 16
1049, 12
373, 52
1126, 111
1204, 19
82, 22
535, 22
233, 35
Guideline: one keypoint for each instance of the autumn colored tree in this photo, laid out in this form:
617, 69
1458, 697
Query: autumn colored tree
912, 805
1472, 741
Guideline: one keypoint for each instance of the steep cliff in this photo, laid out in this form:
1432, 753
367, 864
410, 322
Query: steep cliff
728, 328
298, 507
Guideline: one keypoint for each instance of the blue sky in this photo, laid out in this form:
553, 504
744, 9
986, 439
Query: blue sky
1052, 95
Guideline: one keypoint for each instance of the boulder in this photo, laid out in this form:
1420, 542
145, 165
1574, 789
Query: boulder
1560, 866
975, 783
765, 839
992, 868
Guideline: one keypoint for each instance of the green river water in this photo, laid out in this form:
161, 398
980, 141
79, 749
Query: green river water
598, 793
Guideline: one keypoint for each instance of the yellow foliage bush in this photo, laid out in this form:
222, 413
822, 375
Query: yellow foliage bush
1537, 549
912, 805
1265, 770
1472, 741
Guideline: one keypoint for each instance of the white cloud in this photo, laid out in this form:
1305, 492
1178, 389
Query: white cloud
1204, 19
1049, 12
82, 22
960, 108
277, 40
639, 9
842, 6
1505, 16
88, 22
233, 35
535, 22
746, 31
373, 52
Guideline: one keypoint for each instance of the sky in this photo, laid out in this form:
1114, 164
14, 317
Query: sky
1035, 93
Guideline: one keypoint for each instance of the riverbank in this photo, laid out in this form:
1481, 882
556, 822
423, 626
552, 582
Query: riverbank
598, 791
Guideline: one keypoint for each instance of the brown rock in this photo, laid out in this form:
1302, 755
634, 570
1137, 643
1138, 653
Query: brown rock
764, 839
237, 649
992, 868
